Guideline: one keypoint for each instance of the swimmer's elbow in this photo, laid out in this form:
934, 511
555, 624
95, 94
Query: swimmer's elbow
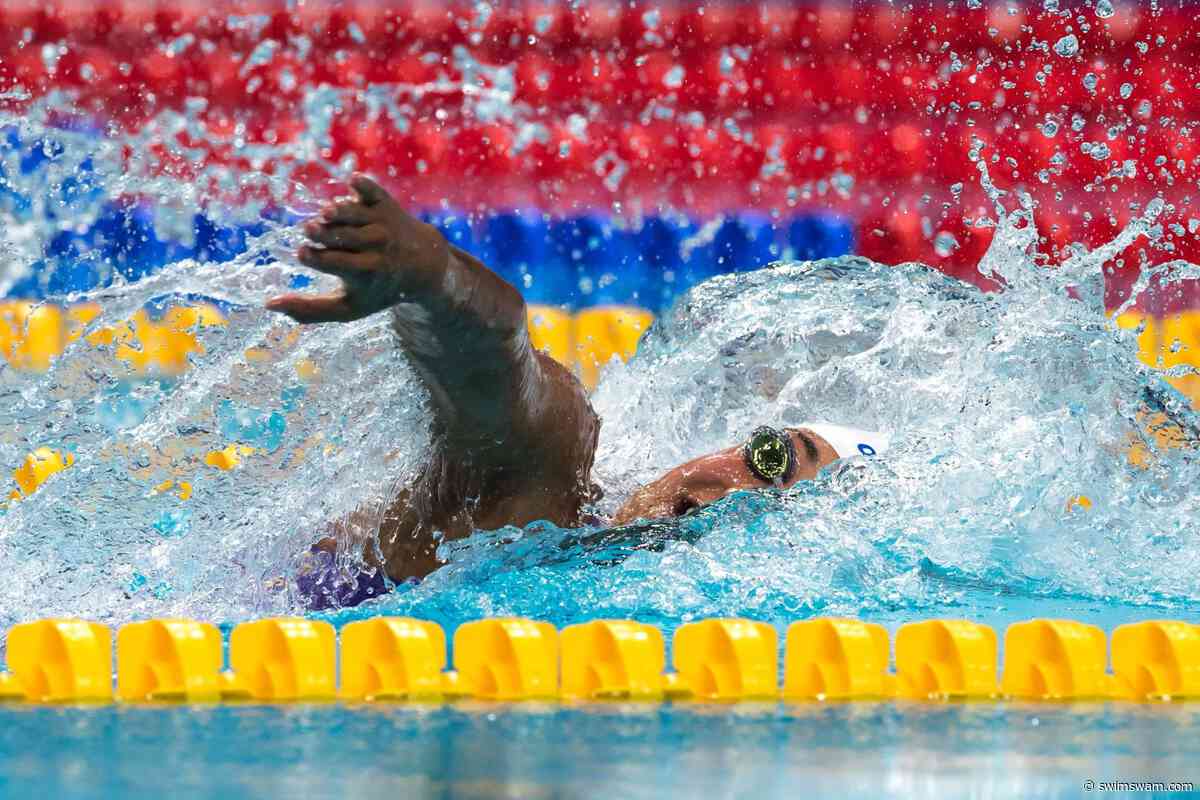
561, 424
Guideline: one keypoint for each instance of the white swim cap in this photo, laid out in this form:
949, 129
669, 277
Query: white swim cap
847, 442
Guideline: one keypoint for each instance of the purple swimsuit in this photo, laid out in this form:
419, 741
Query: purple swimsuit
324, 587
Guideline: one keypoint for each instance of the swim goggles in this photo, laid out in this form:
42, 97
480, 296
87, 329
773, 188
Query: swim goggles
770, 455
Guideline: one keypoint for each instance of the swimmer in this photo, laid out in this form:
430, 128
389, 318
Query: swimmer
514, 435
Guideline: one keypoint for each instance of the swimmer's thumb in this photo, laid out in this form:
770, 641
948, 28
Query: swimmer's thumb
370, 192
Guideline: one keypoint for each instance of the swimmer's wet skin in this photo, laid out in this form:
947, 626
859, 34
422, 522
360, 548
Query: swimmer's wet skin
511, 427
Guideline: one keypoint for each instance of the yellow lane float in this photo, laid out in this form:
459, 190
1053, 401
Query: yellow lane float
37, 467
397, 659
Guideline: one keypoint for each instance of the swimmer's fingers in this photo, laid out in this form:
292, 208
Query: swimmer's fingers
347, 237
371, 193
340, 262
313, 308
348, 212
360, 211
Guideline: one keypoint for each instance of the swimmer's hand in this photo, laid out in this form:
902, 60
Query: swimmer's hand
513, 433
382, 254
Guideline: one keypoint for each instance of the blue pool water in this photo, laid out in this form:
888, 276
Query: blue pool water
469, 750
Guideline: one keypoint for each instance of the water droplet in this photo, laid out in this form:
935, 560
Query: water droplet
974, 3
1067, 46
1126, 90
1097, 150
945, 244
1104, 9
1049, 128
674, 77
1089, 82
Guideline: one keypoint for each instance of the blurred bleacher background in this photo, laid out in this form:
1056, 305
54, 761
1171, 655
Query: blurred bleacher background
603, 156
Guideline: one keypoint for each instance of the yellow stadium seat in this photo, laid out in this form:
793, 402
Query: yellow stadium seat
78, 317
551, 330
31, 334
177, 332
37, 467
604, 332
228, 458
1169, 342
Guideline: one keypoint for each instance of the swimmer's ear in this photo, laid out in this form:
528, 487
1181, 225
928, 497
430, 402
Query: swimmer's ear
370, 192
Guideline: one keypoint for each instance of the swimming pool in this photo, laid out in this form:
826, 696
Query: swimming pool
628, 167
855, 750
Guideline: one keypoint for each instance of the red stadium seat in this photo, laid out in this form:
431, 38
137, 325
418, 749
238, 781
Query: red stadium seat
657, 150
89, 23
1115, 34
829, 23
434, 22
218, 78
963, 28
658, 74
548, 21
25, 68
652, 25
410, 69
597, 77
1007, 20
92, 66
907, 154
718, 23
907, 86
485, 150
718, 80
952, 150
843, 144
597, 22
427, 148
561, 153
773, 24
888, 28
789, 81
893, 237
161, 73
539, 79
849, 80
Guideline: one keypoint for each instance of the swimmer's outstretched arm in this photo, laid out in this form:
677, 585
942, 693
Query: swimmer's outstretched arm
514, 434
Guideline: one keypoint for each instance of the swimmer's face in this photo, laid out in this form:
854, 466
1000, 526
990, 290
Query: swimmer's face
709, 478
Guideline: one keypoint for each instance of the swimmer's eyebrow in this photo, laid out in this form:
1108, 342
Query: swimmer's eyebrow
810, 447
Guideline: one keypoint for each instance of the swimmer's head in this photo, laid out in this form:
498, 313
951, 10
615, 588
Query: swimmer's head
769, 459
